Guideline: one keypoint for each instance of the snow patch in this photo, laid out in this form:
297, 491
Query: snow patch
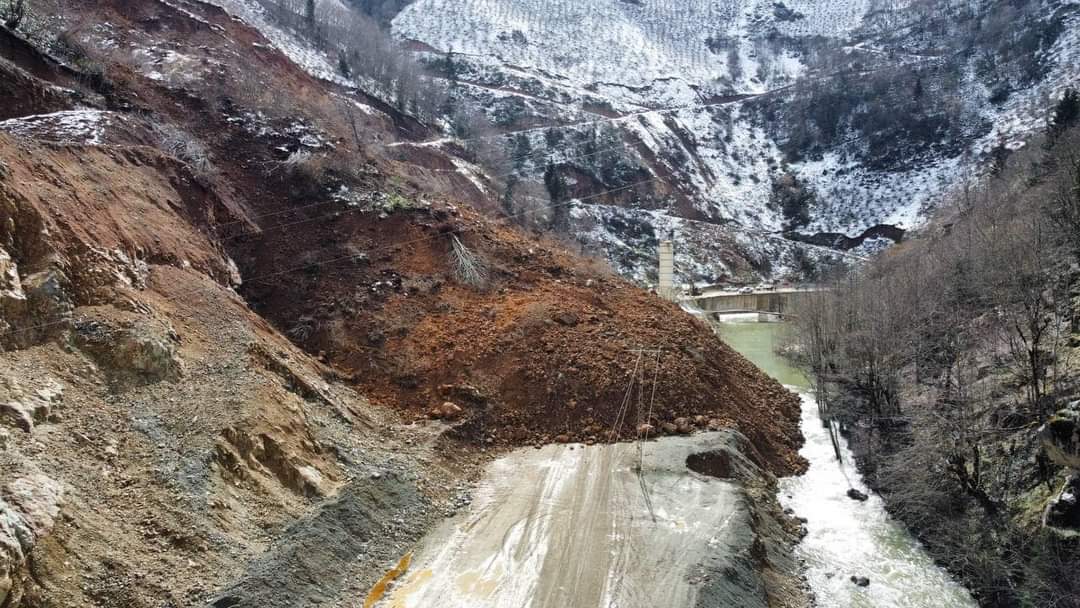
86, 127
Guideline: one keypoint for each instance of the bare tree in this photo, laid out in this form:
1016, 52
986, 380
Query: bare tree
469, 268
13, 12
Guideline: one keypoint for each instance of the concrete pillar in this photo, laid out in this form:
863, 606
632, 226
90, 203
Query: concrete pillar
666, 286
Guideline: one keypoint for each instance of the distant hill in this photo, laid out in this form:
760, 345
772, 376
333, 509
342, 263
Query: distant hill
813, 118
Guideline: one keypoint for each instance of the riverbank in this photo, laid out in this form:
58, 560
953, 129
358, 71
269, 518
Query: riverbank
845, 538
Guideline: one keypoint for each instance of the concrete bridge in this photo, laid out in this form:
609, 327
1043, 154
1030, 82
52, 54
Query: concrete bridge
721, 302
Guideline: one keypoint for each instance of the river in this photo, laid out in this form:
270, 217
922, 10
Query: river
845, 537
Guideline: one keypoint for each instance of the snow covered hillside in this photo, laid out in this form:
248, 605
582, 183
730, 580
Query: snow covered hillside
635, 52
867, 110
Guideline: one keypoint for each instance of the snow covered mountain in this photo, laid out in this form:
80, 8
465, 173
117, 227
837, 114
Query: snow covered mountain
744, 125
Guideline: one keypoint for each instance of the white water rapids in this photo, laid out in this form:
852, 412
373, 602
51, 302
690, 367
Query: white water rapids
846, 537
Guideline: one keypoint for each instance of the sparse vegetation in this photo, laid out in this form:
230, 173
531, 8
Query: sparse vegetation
794, 200
365, 53
892, 114
945, 354
295, 161
468, 267
187, 148
13, 13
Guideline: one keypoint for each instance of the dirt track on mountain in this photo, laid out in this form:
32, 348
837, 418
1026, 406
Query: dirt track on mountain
577, 527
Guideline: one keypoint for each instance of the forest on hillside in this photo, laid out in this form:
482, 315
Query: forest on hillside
944, 356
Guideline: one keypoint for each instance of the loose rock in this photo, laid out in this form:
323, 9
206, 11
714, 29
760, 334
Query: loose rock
447, 411
854, 494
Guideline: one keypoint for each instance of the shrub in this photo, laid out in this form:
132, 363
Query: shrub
182, 145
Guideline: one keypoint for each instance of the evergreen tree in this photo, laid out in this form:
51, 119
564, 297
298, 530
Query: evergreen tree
343, 66
998, 157
309, 16
556, 187
508, 194
553, 137
450, 67
1066, 113
521, 152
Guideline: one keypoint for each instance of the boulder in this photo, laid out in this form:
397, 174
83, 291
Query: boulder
447, 411
1063, 511
645, 430
143, 353
1060, 436
861, 581
568, 319
854, 494
683, 426
25, 408
12, 297
25, 301
669, 428
464, 393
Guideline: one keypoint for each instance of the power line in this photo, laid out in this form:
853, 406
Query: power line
354, 256
339, 212
613, 120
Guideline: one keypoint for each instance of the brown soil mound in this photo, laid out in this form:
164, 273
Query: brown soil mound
544, 352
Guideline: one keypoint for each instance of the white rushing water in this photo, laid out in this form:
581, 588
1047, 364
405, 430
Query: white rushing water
846, 537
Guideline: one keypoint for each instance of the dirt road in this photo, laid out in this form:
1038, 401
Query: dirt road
576, 526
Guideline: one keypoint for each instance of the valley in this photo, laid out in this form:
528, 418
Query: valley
746, 115
339, 303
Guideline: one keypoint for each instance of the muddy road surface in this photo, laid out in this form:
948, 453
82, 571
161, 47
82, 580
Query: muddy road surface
577, 526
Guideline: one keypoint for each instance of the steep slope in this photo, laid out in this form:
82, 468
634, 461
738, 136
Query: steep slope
156, 434
874, 109
210, 259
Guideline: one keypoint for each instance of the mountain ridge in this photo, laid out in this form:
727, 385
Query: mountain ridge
654, 70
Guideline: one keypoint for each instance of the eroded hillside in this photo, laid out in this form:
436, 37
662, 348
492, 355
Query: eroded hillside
229, 309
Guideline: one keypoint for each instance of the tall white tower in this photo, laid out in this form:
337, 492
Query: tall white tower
666, 286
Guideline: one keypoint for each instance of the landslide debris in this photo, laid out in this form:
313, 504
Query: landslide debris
204, 287
548, 350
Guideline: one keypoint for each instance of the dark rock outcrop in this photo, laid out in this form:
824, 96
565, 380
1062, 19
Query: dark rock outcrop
1061, 436
1063, 512
28, 509
854, 494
